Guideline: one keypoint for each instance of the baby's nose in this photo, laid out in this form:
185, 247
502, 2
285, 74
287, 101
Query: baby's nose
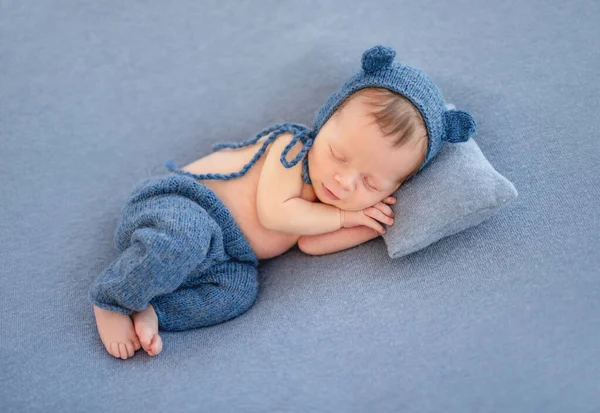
347, 182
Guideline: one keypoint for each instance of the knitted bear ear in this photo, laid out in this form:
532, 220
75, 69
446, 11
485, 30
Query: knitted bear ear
459, 125
377, 57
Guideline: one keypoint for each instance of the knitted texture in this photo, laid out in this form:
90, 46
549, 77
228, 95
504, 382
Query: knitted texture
182, 251
379, 69
306, 136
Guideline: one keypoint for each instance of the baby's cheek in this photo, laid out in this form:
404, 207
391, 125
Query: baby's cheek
375, 200
364, 203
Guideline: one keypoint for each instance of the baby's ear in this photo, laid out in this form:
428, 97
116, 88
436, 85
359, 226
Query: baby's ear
459, 125
377, 57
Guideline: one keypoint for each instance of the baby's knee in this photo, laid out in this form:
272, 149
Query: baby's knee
244, 294
221, 296
237, 290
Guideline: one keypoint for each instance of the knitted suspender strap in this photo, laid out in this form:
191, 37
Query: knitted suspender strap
300, 132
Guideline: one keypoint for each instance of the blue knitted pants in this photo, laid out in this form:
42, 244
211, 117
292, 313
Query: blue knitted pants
181, 251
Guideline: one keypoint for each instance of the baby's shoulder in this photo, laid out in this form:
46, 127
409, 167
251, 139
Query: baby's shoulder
279, 144
282, 141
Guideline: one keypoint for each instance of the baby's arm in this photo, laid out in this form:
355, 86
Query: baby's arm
339, 240
347, 237
278, 201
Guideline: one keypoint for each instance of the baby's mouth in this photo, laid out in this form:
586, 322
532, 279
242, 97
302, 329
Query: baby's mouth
329, 194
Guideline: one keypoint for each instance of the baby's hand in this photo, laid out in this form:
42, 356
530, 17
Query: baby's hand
369, 216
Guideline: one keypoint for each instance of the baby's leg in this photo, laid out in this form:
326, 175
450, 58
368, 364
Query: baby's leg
164, 237
225, 291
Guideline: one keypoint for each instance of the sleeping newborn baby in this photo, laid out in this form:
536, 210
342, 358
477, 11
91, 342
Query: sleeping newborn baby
190, 241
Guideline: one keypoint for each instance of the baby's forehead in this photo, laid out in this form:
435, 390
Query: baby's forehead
357, 133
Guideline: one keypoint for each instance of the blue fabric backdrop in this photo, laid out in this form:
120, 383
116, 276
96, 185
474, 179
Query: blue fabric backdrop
95, 96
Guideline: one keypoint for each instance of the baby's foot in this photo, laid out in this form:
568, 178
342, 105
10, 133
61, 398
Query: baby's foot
116, 332
146, 327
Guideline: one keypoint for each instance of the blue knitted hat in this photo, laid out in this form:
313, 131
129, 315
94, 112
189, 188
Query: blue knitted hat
379, 69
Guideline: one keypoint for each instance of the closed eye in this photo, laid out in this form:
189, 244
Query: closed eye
372, 187
343, 160
339, 159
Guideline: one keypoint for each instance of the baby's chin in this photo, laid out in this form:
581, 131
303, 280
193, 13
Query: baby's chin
325, 200
341, 204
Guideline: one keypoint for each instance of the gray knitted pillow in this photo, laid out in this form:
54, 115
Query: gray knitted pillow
459, 189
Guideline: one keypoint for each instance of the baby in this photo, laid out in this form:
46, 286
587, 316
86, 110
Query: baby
191, 241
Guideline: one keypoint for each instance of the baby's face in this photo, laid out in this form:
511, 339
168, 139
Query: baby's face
352, 165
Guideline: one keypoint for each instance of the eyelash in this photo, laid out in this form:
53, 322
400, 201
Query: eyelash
373, 188
343, 160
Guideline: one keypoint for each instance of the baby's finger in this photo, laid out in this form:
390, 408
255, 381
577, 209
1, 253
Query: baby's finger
390, 200
378, 215
384, 208
376, 226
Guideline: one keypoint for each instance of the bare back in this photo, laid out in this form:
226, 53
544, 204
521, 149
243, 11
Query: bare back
239, 196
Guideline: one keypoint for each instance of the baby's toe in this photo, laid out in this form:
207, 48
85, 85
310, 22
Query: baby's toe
145, 340
155, 345
130, 349
123, 351
113, 349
